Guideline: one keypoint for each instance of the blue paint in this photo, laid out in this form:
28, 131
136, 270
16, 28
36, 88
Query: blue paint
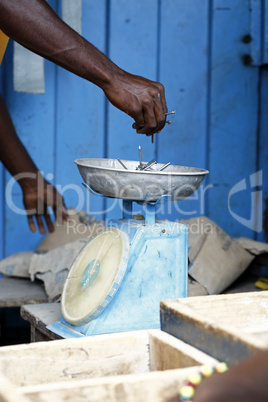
233, 117
265, 32
133, 46
184, 73
255, 31
80, 117
258, 45
263, 150
195, 48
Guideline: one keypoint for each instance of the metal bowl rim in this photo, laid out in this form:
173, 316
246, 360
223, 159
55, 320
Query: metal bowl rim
200, 172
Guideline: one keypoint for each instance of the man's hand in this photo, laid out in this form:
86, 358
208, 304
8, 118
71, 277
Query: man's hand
245, 381
38, 194
142, 99
37, 200
35, 25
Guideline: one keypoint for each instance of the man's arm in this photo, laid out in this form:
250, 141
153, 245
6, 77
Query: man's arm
36, 26
246, 381
38, 194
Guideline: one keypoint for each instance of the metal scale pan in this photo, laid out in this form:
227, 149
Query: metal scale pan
109, 178
118, 279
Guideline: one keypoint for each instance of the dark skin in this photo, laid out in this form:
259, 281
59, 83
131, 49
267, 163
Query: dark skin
245, 382
36, 26
38, 194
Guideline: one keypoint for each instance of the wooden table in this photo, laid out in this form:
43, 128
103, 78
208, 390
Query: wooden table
39, 316
14, 292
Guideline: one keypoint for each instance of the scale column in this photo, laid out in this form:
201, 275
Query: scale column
149, 214
127, 209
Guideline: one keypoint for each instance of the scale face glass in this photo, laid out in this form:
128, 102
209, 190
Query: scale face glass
95, 276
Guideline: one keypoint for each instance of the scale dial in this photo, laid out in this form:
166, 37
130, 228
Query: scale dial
95, 276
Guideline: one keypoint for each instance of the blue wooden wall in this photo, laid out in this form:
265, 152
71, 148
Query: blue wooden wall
195, 49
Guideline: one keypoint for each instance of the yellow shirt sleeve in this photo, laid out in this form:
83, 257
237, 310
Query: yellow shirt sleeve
3, 45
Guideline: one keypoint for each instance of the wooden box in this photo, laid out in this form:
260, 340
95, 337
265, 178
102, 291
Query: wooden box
131, 366
228, 327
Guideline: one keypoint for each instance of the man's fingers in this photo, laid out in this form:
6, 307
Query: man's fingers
162, 97
153, 111
65, 214
150, 121
37, 202
139, 120
40, 224
31, 223
160, 117
49, 222
155, 120
59, 213
160, 108
60, 209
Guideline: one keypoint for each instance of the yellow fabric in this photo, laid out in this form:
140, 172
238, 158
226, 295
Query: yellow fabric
262, 283
3, 45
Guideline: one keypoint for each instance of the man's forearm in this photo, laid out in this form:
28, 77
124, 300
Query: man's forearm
13, 154
36, 26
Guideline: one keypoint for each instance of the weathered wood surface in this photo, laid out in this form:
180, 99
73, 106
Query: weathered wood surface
130, 366
64, 360
97, 356
167, 352
228, 327
15, 292
9, 393
149, 387
39, 316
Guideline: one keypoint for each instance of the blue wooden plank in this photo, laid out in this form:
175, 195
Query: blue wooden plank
80, 118
255, 32
33, 117
181, 43
265, 32
133, 46
263, 158
258, 31
233, 119
184, 51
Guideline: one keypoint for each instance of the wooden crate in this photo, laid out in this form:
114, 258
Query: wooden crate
131, 366
229, 327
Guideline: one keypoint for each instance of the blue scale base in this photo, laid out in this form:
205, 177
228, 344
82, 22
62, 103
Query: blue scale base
157, 270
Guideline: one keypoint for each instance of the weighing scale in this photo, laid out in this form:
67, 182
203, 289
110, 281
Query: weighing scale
120, 276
